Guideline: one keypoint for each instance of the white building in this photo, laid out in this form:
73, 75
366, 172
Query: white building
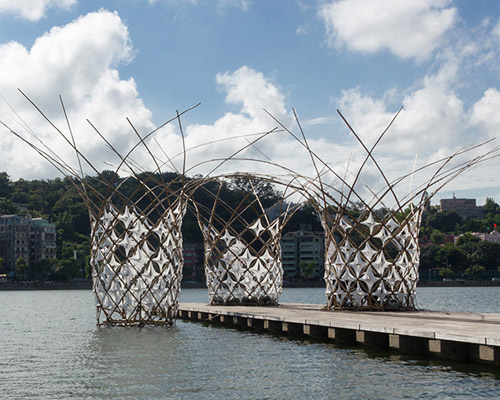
493, 236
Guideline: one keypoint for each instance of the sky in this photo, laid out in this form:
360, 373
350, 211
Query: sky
251, 64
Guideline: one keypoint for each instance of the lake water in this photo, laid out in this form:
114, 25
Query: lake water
51, 349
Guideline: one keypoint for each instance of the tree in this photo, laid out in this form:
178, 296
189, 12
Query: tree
66, 270
44, 269
491, 207
445, 221
479, 251
22, 268
489, 254
264, 190
305, 215
307, 269
187, 270
428, 257
400, 216
6, 207
466, 239
5, 185
474, 271
20, 192
437, 237
472, 225
445, 272
449, 256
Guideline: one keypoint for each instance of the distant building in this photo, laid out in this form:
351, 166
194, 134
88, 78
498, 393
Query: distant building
42, 240
193, 254
33, 239
303, 245
493, 236
466, 208
14, 240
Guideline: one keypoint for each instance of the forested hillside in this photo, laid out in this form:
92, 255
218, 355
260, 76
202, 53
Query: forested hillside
470, 257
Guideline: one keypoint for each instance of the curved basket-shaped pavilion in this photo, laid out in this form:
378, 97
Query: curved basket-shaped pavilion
371, 260
242, 239
371, 235
136, 239
136, 257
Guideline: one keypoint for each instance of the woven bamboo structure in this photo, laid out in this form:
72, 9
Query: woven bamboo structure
371, 260
136, 239
371, 237
241, 241
136, 257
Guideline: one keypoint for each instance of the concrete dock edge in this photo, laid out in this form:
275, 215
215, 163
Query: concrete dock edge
465, 337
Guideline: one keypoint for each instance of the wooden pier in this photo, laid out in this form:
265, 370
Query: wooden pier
468, 337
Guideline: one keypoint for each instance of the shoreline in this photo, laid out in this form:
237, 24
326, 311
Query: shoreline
87, 285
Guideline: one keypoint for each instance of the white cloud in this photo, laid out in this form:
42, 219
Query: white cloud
251, 92
33, 10
409, 29
485, 115
251, 89
79, 62
320, 121
433, 115
434, 123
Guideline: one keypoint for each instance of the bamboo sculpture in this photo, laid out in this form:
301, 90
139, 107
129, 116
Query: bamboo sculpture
242, 243
136, 257
371, 240
136, 240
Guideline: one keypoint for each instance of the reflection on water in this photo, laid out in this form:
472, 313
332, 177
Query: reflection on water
52, 349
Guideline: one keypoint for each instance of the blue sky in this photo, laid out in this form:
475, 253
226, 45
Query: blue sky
439, 59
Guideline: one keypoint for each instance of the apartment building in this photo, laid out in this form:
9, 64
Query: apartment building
303, 245
193, 254
33, 239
